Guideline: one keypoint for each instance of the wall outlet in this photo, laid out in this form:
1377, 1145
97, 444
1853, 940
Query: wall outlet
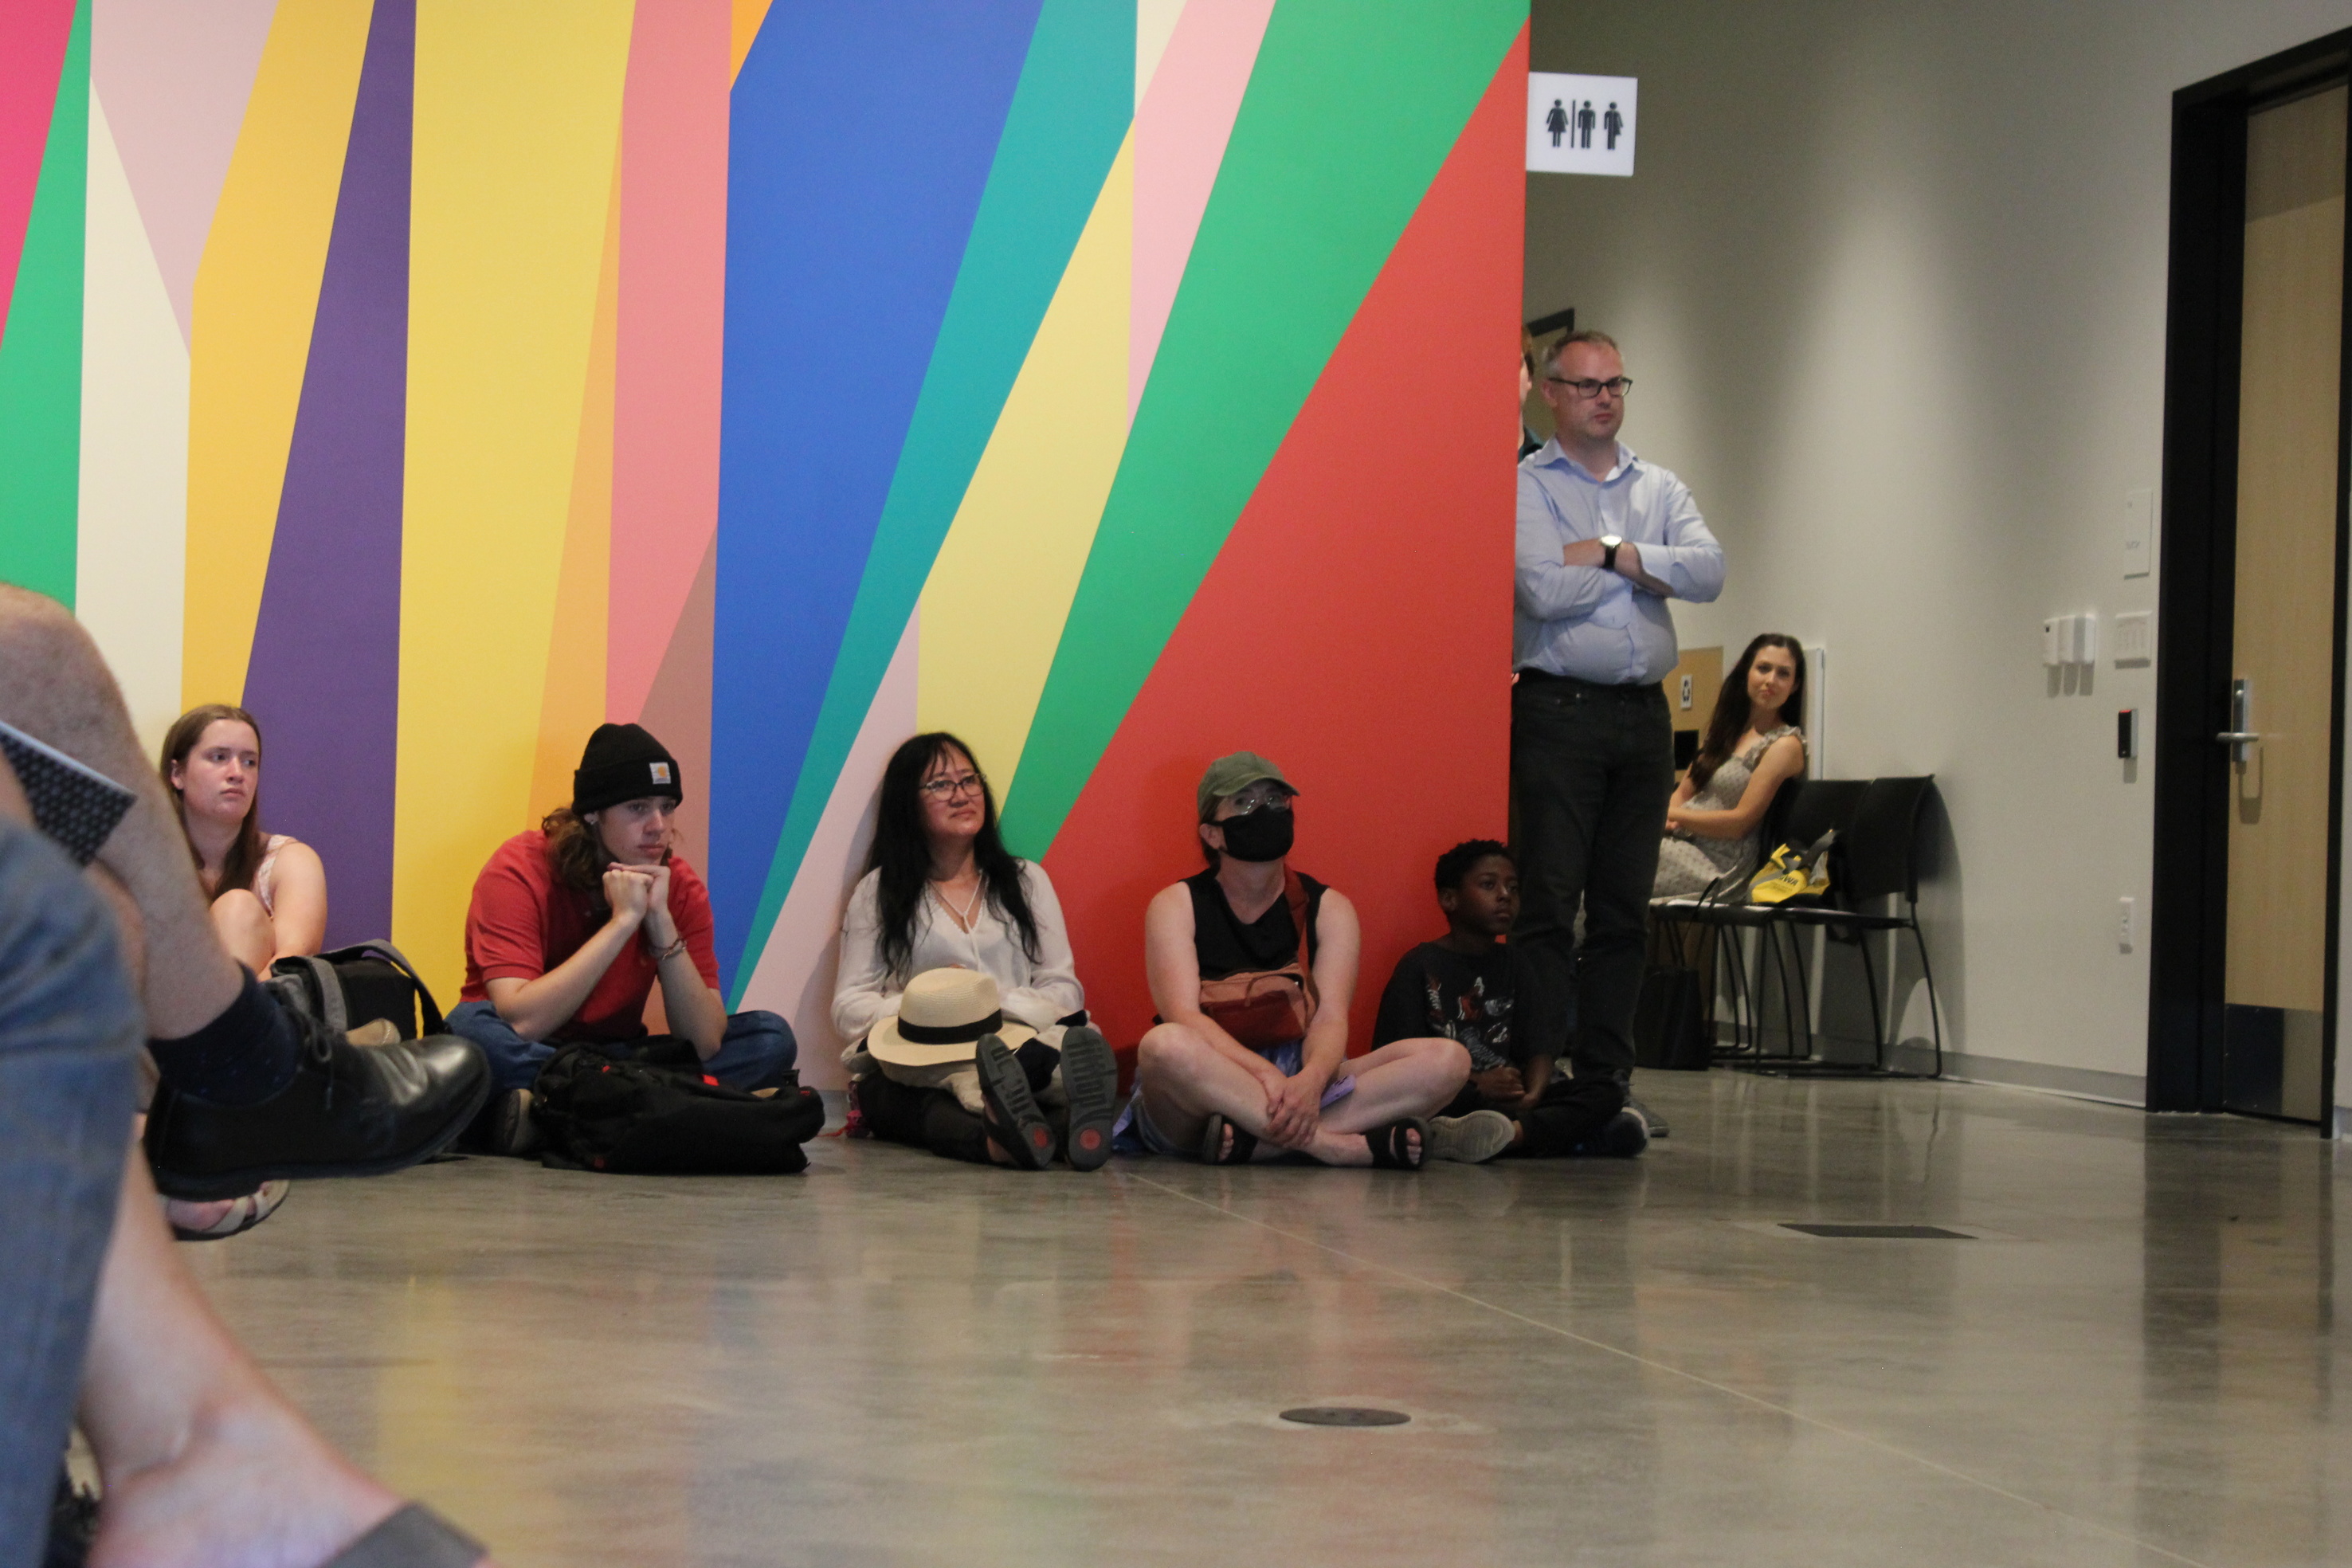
2127, 914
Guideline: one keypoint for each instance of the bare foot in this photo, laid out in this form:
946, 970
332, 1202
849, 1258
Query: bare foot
1351, 1148
251, 1488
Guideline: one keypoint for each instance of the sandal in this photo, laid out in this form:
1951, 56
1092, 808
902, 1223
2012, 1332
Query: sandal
242, 1214
1013, 1117
1389, 1150
1090, 1078
1212, 1143
415, 1537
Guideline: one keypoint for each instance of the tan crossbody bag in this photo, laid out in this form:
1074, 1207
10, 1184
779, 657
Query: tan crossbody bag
1263, 1008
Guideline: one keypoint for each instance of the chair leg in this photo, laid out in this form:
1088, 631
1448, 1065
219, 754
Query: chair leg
1927, 972
1870, 983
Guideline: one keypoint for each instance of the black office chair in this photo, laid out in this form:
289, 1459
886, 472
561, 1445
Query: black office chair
1877, 856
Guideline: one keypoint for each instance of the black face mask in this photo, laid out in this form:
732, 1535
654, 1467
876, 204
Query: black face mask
1262, 835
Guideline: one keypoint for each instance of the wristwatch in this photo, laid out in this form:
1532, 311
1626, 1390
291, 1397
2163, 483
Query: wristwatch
1609, 543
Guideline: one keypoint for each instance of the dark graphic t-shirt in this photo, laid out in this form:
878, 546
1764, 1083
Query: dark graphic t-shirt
1436, 991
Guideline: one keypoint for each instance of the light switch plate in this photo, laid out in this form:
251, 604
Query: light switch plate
2086, 638
1687, 693
2135, 641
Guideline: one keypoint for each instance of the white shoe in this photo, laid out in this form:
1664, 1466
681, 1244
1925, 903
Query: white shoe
1471, 1139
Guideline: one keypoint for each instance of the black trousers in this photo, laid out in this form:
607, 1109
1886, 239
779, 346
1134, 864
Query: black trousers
1569, 1111
935, 1119
1592, 770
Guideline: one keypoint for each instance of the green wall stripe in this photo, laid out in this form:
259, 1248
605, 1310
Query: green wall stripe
40, 357
1350, 112
1069, 114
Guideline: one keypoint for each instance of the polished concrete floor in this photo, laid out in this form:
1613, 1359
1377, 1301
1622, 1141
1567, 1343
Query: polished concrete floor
897, 1360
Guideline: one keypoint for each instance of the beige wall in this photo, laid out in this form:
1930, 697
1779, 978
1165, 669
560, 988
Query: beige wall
1890, 280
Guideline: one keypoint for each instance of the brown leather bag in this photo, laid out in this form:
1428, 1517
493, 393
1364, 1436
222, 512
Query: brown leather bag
1263, 1008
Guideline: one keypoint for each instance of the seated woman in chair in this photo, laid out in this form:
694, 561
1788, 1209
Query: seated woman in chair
1243, 1066
268, 890
966, 1065
1753, 746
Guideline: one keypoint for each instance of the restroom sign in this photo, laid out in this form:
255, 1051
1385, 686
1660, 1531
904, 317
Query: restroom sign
1579, 124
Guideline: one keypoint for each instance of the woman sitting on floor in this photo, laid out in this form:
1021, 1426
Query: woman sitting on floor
268, 890
1753, 746
941, 893
1264, 1060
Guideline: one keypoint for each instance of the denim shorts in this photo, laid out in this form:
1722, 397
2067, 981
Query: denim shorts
1136, 1134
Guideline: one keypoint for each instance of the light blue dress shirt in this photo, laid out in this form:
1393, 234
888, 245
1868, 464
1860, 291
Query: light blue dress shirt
1593, 624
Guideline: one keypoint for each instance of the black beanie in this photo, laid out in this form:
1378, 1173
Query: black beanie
622, 763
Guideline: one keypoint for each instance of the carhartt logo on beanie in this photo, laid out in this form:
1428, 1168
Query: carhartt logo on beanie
622, 763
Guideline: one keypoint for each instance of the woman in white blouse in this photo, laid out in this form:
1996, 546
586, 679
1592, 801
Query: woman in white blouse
941, 891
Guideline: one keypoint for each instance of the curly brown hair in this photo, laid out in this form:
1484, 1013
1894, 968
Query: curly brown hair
576, 851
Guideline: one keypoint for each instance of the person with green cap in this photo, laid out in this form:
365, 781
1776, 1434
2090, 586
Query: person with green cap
1252, 966
574, 923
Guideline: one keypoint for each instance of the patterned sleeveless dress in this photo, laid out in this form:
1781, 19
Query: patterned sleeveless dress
1689, 865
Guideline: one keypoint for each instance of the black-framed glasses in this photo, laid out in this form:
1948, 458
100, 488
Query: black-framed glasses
948, 789
1615, 387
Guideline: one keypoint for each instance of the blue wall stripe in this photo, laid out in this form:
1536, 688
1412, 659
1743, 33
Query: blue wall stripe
1068, 116
847, 213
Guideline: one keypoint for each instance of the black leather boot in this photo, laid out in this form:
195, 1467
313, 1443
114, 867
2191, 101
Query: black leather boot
352, 1111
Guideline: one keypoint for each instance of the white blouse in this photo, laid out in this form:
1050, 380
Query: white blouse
1036, 994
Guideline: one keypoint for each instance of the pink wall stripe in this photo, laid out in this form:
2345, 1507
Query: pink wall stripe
32, 53
1180, 140
672, 329
175, 78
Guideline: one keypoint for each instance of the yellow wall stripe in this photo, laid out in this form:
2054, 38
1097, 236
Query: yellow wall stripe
257, 294
993, 605
572, 700
517, 125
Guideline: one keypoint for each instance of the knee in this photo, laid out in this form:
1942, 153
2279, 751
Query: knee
1166, 1049
244, 928
1449, 1059
769, 1034
34, 627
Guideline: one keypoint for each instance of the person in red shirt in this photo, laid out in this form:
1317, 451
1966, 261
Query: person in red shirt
573, 924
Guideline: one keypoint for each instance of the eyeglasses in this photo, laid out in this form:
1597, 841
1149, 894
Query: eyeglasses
1261, 797
948, 789
1615, 387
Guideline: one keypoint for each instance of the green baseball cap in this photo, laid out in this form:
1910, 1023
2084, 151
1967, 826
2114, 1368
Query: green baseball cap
1232, 775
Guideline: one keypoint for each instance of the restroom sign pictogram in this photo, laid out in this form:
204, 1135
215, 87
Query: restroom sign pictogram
1579, 124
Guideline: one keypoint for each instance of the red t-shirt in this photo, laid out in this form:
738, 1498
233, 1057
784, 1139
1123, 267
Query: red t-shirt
524, 922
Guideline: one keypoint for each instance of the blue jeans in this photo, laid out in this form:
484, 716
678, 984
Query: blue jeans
753, 1053
69, 1029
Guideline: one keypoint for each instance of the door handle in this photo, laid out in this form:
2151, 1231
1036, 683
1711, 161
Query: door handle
2240, 735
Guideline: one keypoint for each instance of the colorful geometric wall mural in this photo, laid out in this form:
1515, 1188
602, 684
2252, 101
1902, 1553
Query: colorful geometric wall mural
1115, 382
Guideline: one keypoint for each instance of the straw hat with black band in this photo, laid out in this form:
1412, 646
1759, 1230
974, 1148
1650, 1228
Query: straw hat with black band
943, 1013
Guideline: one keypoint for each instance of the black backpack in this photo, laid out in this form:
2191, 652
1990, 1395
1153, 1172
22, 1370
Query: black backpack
356, 986
624, 1114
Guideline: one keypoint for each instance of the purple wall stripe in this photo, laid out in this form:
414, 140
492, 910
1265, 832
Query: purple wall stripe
324, 675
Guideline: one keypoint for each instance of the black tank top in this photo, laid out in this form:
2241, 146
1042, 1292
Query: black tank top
1225, 946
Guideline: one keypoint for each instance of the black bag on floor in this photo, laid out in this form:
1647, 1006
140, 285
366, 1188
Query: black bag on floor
356, 986
615, 1111
1669, 1026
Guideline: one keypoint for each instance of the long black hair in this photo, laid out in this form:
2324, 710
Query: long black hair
1731, 707
902, 852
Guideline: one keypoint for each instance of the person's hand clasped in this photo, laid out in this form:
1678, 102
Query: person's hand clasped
1294, 1112
660, 929
629, 889
1499, 1086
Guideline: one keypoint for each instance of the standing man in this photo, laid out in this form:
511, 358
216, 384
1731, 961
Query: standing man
1604, 541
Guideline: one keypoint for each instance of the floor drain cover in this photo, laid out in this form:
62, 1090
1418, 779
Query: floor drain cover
1881, 1232
1344, 1416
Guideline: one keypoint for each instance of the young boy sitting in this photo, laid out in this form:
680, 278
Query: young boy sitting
1461, 986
